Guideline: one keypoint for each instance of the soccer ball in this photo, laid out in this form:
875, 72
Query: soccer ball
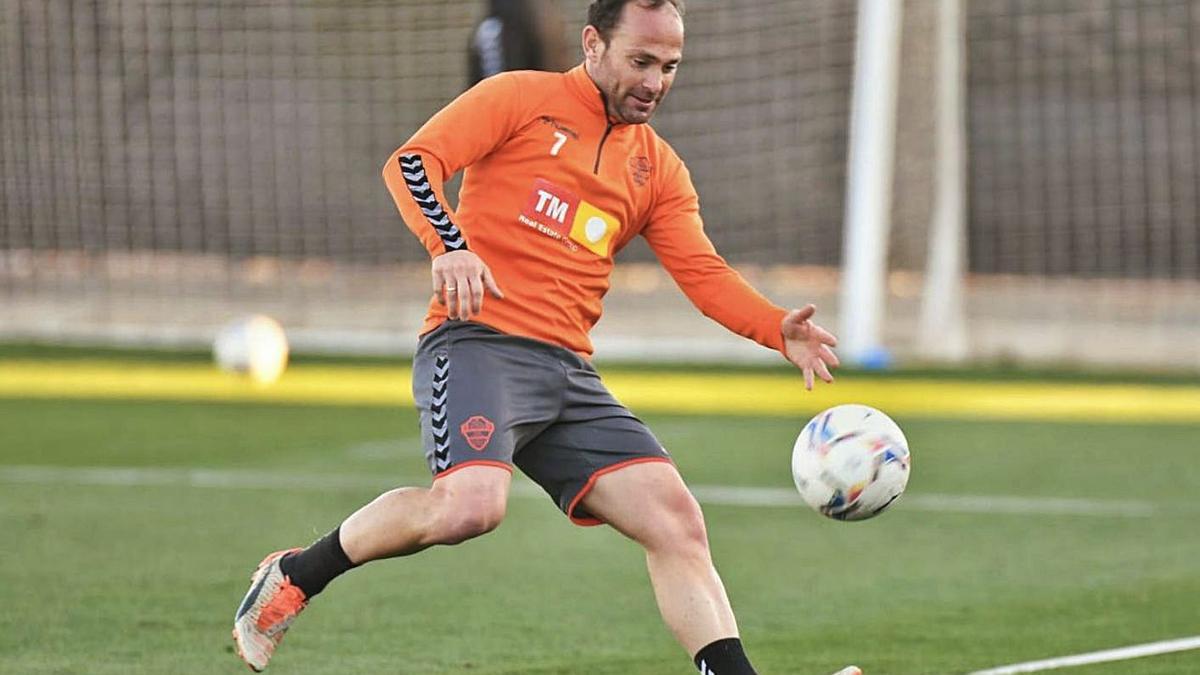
255, 346
850, 462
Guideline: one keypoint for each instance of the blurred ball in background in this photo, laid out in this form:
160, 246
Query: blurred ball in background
255, 346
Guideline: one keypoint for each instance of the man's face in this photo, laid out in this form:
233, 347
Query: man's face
637, 66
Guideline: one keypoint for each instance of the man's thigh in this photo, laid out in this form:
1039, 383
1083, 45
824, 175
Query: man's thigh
648, 503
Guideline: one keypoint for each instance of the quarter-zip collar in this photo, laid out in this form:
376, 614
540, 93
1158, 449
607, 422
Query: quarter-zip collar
581, 84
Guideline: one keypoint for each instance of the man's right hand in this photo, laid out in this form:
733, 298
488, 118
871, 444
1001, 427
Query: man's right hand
459, 280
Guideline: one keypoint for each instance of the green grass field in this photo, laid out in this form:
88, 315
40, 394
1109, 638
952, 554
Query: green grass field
139, 571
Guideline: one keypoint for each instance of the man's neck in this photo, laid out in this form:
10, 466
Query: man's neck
608, 113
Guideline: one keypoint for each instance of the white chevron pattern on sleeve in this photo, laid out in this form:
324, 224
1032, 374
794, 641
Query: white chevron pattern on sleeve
412, 167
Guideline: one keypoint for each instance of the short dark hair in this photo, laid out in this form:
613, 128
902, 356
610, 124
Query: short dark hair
603, 15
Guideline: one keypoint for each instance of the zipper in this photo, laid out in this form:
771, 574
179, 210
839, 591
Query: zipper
600, 148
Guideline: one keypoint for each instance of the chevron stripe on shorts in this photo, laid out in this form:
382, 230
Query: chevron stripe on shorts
438, 413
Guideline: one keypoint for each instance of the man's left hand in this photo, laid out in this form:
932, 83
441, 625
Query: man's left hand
808, 346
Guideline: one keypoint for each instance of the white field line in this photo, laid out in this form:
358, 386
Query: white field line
717, 495
1119, 654
752, 496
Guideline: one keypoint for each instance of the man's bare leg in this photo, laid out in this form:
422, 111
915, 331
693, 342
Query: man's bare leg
650, 504
462, 504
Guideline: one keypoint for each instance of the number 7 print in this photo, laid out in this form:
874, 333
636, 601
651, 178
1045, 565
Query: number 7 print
562, 138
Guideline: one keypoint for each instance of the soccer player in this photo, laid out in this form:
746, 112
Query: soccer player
562, 171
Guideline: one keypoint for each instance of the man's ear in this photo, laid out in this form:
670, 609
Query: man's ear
593, 44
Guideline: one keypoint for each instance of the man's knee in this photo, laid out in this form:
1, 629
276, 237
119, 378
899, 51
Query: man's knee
462, 514
680, 525
457, 525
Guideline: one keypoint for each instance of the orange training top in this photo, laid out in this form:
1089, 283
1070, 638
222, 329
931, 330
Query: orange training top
552, 190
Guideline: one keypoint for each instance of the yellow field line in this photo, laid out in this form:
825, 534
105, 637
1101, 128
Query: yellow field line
649, 391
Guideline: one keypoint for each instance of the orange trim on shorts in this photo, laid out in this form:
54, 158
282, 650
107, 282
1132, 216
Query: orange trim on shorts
474, 462
591, 522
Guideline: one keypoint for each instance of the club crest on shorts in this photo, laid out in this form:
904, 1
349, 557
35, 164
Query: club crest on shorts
478, 431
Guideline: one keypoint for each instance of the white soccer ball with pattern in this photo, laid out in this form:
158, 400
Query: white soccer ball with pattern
851, 462
255, 346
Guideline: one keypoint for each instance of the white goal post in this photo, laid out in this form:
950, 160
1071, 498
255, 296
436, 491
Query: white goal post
942, 334
869, 178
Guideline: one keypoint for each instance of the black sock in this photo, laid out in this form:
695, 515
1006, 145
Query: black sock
724, 657
313, 568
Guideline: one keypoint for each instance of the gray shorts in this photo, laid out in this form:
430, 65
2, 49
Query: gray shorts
490, 398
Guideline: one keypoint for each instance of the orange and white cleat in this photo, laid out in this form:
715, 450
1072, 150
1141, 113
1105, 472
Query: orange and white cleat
850, 670
268, 609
